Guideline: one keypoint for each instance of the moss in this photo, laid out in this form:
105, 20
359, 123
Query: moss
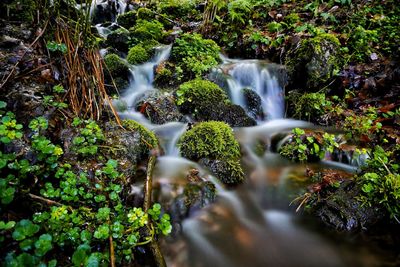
229, 172
314, 61
292, 18
213, 140
148, 138
145, 14
115, 65
176, 9
127, 19
197, 94
137, 55
23, 10
147, 30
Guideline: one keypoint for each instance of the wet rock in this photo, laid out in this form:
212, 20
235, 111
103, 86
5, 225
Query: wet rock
116, 69
313, 62
234, 115
106, 10
253, 103
129, 145
8, 42
119, 39
341, 209
160, 108
229, 172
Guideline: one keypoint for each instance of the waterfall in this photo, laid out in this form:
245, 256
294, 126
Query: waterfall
265, 79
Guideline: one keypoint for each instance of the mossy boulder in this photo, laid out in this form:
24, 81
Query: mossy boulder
137, 55
22, 10
130, 144
214, 144
313, 62
195, 55
127, 19
199, 94
212, 139
147, 30
115, 65
145, 14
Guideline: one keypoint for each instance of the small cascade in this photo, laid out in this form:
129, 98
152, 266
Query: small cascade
143, 76
265, 79
111, 10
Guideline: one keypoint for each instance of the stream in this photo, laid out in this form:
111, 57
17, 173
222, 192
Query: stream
254, 224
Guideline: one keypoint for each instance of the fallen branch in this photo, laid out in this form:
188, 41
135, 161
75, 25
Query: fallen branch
45, 200
155, 249
112, 253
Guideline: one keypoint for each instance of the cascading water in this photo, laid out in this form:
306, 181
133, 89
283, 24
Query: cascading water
265, 79
253, 225
114, 7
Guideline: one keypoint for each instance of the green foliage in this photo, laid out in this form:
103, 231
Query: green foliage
176, 9
195, 95
239, 10
115, 65
380, 181
362, 125
56, 47
362, 42
213, 140
308, 146
91, 135
9, 128
137, 55
309, 105
194, 54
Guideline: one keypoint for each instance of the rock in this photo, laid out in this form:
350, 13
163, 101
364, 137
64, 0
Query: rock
229, 172
342, 211
119, 39
106, 10
117, 69
253, 103
313, 62
160, 108
8, 42
234, 115
133, 144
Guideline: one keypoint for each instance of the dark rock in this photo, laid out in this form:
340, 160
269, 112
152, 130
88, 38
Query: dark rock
253, 103
229, 172
342, 211
159, 108
106, 10
313, 62
234, 115
119, 39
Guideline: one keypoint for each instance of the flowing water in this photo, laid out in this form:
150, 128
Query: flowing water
253, 225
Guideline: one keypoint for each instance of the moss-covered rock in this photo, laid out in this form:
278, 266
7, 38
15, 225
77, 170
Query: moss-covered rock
127, 19
115, 65
214, 145
147, 30
228, 172
199, 94
129, 145
213, 140
313, 62
137, 55
145, 14
22, 10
